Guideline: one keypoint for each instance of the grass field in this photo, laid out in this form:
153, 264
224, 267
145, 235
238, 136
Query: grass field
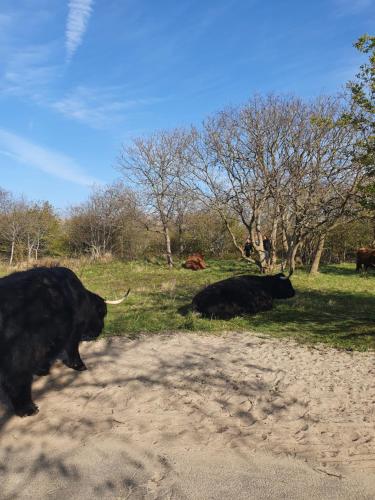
336, 307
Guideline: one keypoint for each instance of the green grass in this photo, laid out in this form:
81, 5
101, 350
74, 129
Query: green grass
336, 307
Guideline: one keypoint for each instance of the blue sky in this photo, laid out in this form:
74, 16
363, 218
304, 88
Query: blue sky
78, 78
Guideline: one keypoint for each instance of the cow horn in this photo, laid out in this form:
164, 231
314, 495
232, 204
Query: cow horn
115, 302
287, 277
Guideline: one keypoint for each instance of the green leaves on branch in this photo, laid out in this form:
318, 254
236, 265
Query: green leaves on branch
363, 116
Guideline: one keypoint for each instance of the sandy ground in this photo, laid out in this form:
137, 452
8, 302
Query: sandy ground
185, 416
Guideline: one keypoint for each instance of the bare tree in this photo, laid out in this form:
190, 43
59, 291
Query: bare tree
40, 224
155, 166
26, 229
281, 164
240, 159
320, 189
185, 204
96, 225
13, 224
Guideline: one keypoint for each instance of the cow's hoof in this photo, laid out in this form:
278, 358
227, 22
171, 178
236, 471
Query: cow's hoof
27, 411
79, 367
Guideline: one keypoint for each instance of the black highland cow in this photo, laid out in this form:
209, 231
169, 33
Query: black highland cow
242, 295
44, 312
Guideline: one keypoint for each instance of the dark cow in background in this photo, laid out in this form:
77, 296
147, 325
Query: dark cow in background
195, 262
365, 258
242, 295
44, 312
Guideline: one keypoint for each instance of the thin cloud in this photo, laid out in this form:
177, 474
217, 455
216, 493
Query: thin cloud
46, 160
27, 71
29, 64
78, 18
99, 108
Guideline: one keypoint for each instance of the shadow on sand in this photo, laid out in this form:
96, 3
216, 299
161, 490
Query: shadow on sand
53, 446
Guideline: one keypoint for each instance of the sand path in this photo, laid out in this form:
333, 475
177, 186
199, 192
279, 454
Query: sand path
197, 417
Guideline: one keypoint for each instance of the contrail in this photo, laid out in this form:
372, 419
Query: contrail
78, 18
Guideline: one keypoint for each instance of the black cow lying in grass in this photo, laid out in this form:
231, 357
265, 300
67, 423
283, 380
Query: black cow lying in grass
43, 312
242, 295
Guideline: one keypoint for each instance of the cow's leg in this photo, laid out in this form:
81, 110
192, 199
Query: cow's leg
18, 388
73, 359
43, 369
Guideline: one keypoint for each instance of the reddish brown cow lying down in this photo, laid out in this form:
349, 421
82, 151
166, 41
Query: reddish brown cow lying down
195, 262
365, 258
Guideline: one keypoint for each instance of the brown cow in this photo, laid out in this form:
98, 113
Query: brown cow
195, 262
365, 258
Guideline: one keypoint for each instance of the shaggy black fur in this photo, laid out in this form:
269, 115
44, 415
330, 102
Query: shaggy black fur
242, 295
44, 312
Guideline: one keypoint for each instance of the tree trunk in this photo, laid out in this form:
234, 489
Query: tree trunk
285, 243
37, 248
168, 246
285, 249
257, 239
318, 253
292, 256
180, 239
262, 260
273, 256
29, 249
11, 253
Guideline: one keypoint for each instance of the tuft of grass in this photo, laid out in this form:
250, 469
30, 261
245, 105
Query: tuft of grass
336, 307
